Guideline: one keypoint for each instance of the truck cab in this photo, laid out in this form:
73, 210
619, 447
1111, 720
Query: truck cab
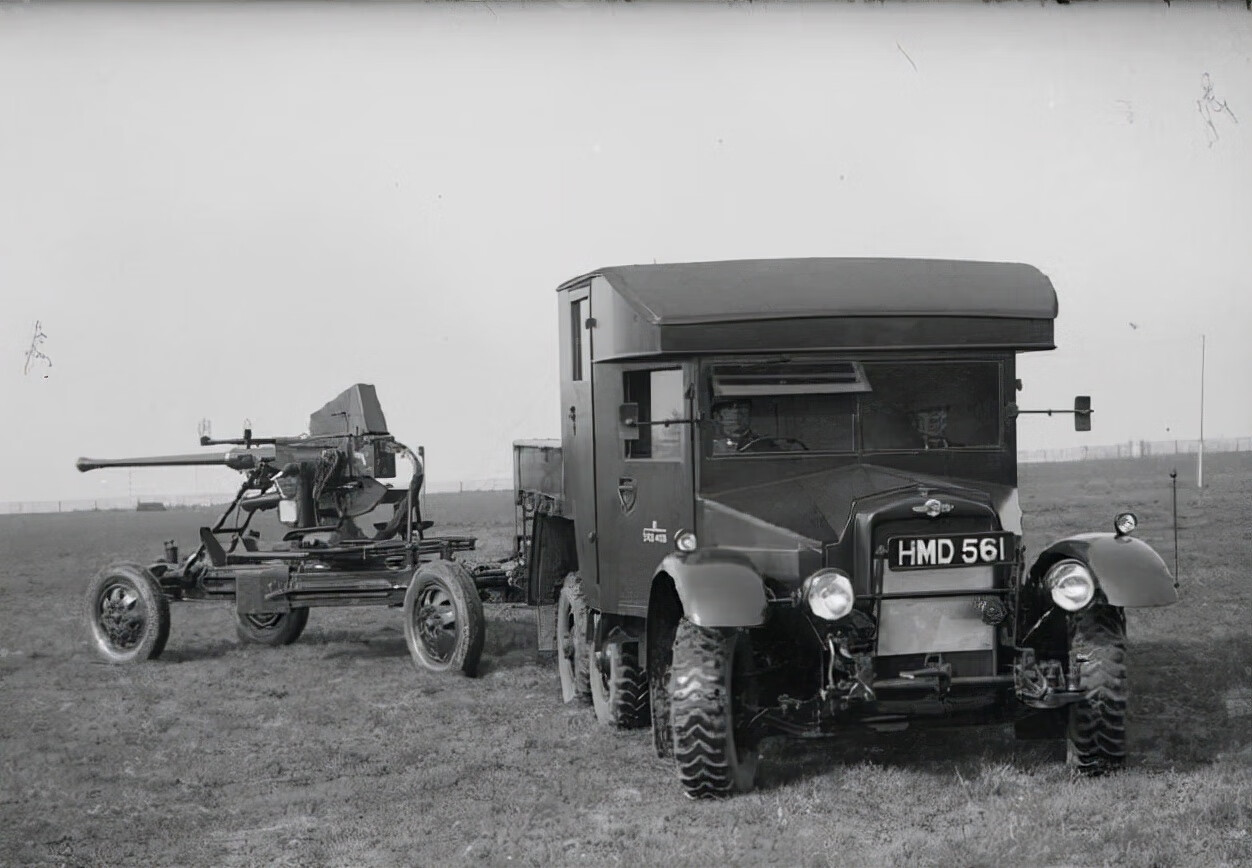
789, 505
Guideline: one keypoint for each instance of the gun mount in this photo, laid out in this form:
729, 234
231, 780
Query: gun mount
319, 483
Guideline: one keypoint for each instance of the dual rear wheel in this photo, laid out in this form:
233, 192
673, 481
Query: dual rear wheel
613, 680
697, 704
619, 686
572, 650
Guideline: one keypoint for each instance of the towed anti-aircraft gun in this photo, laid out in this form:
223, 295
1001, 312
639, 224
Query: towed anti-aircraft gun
320, 484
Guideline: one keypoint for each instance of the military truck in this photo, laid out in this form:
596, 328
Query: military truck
785, 501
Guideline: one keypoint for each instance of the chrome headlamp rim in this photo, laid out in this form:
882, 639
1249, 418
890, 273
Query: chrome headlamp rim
1125, 523
1071, 584
828, 594
685, 540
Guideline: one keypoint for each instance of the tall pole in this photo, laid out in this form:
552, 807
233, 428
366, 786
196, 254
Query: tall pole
1199, 468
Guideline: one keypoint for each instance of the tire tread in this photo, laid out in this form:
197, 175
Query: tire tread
471, 621
1097, 725
703, 731
572, 594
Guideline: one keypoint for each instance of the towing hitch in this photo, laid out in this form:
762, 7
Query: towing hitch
1042, 683
933, 670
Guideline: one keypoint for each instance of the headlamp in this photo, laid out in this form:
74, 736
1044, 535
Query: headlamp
1125, 523
829, 594
1071, 584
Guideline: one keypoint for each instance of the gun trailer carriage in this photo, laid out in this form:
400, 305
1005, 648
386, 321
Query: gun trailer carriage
784, 502
319, 485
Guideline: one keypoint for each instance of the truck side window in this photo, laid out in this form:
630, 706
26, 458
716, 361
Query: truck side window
659, 395
581, 340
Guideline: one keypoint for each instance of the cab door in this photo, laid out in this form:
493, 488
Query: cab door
578, 431
645, 486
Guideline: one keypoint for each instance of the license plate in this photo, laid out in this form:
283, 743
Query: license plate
949, 550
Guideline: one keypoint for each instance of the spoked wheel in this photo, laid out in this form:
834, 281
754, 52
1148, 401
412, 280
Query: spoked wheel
273, 628
712, 690
571, 649
1097, 724
443, 619
619, 686
127, 613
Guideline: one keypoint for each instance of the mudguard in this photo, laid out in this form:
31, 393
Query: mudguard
717, 588
1127, 570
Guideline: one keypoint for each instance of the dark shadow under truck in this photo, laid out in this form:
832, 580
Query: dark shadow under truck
785, 502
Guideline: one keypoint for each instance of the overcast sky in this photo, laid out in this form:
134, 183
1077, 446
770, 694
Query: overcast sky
237, 211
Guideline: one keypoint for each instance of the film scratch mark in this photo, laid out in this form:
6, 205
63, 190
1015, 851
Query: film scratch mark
34, 356
1209, 107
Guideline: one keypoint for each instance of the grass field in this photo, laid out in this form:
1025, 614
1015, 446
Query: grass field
335, 750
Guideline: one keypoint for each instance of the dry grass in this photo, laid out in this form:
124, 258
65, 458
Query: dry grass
337, 751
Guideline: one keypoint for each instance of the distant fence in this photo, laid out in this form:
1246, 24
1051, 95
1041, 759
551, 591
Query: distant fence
502, 483
184, 501
1127, 449
171, 501
1135, 449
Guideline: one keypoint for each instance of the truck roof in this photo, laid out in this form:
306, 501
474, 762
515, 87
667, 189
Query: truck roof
752, 289
760, 305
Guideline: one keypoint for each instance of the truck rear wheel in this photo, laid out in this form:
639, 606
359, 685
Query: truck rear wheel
127, 613
276, 628
661, 661
711, 688
572, 654
1097, 724
619, 686
444, 625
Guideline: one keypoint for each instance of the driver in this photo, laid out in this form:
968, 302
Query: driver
932, 424
733, 428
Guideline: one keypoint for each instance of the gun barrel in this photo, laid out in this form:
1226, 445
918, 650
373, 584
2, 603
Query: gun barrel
236, 459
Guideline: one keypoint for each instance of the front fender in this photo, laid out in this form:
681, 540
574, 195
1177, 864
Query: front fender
1127, 570
717, 588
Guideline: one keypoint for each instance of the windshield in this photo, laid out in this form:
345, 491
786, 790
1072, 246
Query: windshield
776, 407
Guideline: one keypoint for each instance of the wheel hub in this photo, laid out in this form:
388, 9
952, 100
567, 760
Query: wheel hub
120, 617
435, 620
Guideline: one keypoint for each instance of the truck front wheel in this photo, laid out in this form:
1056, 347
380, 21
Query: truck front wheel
711, 688
1097, 724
